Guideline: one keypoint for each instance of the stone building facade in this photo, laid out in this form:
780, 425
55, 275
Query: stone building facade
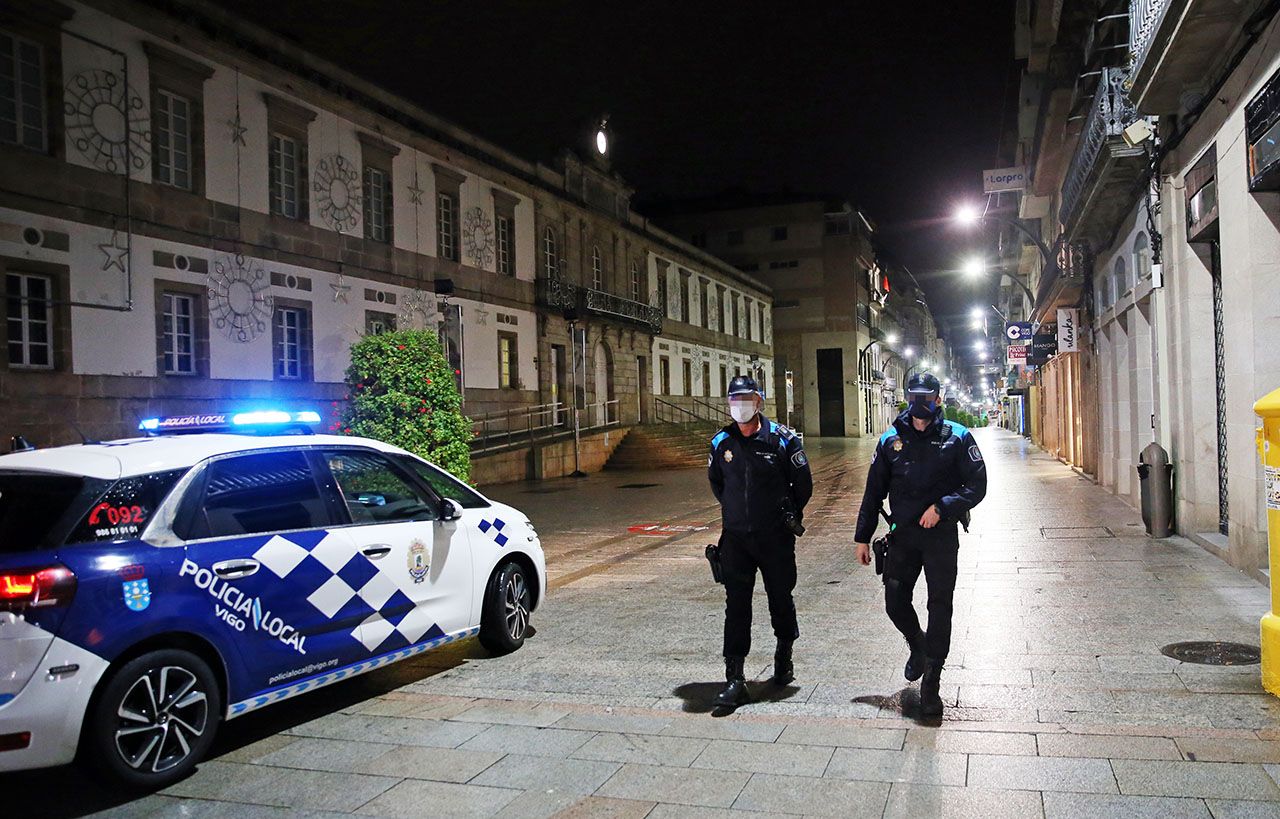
195, 213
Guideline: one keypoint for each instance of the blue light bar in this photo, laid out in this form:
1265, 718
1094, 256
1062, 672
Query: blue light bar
251, 421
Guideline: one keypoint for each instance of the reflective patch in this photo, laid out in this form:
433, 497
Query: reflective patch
709, 457
974, 454
799, 459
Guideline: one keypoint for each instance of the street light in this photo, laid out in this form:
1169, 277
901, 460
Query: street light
973, 268
968, 215
891, 338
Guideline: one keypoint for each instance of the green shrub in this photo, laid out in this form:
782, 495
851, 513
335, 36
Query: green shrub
401, 390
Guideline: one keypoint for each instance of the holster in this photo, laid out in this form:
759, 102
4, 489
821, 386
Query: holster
880, 548
713, 557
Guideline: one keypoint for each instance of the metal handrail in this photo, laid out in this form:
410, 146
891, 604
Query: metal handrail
670, 410
528, 425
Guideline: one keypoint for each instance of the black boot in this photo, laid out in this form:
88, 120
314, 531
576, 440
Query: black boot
784, 671
930, 701
735, 693
916, 662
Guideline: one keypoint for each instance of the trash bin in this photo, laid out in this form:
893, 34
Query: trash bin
1155, 474
1268, 408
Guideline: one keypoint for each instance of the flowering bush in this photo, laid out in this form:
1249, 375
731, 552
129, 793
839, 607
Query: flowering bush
401, 390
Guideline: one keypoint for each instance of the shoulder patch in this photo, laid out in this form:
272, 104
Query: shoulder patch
719, 439
975, 454
892, 433
800, 459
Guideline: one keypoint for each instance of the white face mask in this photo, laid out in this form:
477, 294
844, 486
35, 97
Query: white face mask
742, 411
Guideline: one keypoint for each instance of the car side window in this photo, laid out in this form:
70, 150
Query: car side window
261, 492
444, 485
374, 490
123, 511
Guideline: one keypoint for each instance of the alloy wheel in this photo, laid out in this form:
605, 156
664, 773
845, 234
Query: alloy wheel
161, 717
516, 600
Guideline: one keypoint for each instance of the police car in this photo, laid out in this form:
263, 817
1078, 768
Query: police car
150, 587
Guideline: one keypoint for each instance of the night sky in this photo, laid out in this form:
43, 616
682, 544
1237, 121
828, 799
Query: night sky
896, 105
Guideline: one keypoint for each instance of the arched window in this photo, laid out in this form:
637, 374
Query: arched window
1141, 258
1101, 292
1119, 279
549, 254
597, 269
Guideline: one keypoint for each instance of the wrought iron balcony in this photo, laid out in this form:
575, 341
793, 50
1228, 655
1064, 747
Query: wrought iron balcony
559, 295
1176, 43
1099, 183
607, 304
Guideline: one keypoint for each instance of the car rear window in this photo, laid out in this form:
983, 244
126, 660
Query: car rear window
122, 512
445, 486
36, 509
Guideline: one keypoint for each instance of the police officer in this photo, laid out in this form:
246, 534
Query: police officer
933, 473
758, 471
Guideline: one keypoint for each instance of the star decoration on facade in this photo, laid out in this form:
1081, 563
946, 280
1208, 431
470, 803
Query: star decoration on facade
340, 289
415, 192
116, 256
482, 317
238, 130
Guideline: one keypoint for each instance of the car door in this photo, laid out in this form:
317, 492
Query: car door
422, 589
264, 556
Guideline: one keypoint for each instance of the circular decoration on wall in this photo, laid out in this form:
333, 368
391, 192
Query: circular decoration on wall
107, 125
240, 301
477, 237
338, 195
416, 303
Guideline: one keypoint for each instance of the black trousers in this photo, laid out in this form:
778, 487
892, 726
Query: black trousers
741, 555
935, 551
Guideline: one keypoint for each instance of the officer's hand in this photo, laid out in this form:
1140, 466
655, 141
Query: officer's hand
864, 553
930, 517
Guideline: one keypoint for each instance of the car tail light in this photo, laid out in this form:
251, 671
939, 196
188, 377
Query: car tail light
52, 586
15, 742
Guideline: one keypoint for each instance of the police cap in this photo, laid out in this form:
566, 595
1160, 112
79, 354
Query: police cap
743, 385
923, 384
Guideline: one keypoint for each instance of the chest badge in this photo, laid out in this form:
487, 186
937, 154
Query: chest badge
728, 455
418, 565
897, 445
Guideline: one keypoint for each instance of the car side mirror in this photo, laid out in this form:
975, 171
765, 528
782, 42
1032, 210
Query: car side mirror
450, 509
371, 499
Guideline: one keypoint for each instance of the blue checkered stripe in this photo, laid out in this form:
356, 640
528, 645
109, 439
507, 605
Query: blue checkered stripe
331, 677
342, 583
495, 527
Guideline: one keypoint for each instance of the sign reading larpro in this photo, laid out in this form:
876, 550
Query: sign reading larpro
1004, 179
1068, 330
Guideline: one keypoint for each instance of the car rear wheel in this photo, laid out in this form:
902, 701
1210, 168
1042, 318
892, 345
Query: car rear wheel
507, 601
154, 720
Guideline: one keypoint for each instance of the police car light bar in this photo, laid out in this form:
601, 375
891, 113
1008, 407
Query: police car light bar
256, 420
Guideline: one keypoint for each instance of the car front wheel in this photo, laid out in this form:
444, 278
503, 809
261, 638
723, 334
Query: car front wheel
505, 621
154, 720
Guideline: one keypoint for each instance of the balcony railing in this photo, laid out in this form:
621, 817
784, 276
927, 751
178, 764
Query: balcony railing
558, 294
608, 304
1144, 19
1110, 113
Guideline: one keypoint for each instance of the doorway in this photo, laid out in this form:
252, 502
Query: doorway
831, 392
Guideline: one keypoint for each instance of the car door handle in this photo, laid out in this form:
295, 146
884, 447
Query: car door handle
376, 552
235, 569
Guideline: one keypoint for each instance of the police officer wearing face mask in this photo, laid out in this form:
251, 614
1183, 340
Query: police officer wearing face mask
758, 471
933, 473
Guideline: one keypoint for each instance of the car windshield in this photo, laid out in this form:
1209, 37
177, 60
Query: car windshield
37, 510
446, 486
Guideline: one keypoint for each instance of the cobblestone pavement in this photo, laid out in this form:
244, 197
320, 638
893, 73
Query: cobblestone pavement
1060, 703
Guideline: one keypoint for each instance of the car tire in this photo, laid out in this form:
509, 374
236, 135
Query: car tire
504, 622
153, 721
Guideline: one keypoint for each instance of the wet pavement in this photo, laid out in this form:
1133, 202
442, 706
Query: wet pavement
1060, 702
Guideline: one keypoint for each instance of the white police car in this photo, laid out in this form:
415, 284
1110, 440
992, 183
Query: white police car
153, 586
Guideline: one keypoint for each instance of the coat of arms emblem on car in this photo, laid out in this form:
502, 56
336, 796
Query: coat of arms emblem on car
418, 563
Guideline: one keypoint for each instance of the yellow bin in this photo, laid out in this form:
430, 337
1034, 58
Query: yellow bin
1268, 408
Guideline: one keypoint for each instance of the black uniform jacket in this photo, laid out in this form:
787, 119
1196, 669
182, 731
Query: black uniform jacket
751, 476
941, 465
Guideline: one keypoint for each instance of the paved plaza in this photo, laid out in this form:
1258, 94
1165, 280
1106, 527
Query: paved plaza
1059, 701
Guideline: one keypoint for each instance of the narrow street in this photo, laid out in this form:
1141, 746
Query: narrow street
1059, 701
